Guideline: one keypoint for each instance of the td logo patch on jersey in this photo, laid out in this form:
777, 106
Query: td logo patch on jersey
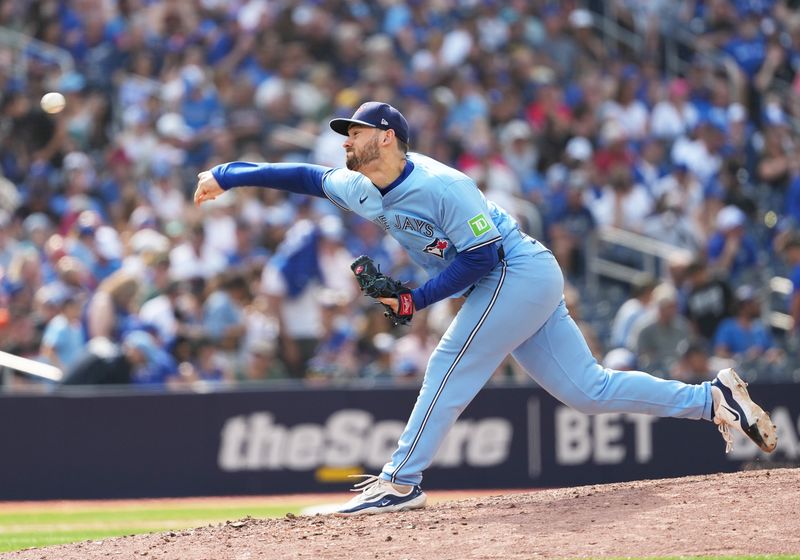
437, 247
479, 225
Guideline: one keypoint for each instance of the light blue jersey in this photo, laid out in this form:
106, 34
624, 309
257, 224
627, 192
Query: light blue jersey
434, 213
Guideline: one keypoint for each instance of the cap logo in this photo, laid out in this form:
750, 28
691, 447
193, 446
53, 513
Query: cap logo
384, 122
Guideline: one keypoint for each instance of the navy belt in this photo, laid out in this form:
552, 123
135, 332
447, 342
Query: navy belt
501, 255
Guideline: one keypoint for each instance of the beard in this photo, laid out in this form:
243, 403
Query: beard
370, 153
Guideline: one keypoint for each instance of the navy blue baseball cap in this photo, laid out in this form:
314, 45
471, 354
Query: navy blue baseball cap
376, 115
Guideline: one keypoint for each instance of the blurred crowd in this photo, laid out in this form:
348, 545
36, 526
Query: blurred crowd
673, 120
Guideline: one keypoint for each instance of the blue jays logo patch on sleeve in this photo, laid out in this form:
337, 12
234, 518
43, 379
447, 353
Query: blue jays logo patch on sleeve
437, 247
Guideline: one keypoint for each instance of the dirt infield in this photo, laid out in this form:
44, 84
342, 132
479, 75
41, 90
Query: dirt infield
755, 512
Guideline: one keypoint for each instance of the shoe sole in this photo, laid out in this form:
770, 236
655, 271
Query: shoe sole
417, 503
762, 431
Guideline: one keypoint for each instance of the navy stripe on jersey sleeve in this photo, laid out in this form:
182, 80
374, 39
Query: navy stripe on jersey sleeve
467, 268
479, 245
301, 178
331, 197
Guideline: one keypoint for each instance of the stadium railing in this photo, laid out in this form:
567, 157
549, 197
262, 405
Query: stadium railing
680, 47
24, 47
780, 288
36, 370
651, 252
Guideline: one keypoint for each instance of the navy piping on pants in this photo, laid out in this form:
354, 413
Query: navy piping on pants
449, 371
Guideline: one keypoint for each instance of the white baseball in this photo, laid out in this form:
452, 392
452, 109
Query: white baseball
53, 102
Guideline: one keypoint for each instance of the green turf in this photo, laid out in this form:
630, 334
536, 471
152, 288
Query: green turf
38, 528
43, 528
136, 514
21, 540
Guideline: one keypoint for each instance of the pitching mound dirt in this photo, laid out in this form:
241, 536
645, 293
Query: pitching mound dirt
755, 512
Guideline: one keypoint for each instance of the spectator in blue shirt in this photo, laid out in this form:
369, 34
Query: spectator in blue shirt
743, 336
791, 252
748, 47
792, 203
202, 111
571, 227
731, 249
152, 365
223, 316
63, 338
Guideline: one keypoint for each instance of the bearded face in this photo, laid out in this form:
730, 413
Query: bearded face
358, 157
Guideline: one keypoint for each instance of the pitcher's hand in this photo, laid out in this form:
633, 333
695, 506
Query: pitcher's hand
393, 303
207, 188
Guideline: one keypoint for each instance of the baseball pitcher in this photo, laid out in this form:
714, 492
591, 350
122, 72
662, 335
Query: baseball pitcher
514, 304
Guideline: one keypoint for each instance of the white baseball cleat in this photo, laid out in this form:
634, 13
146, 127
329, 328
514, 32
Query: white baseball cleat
733, 408
380, 496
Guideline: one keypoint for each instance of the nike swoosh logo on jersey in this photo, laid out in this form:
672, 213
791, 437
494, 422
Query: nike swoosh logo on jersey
729, 409
362, 199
